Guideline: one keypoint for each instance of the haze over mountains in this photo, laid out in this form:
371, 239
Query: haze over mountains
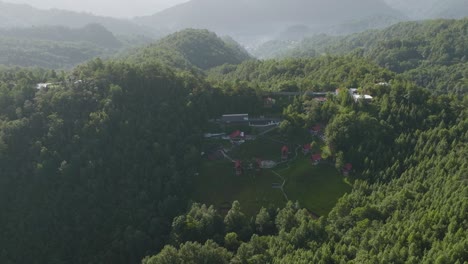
429, 9
264, 17
246, 20
17, 15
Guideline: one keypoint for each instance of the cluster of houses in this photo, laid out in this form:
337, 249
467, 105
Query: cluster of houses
257, 165
357, 97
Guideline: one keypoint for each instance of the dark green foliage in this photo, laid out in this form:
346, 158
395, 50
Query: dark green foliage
93, 170
55, 47
431, 53
209, 253
411, 149
291, 75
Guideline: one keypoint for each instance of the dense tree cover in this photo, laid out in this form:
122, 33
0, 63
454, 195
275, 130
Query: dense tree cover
431, 53
56, 47
411, 208
94, 167
192, 48
322, 74
46, 54
92, 33
24, 16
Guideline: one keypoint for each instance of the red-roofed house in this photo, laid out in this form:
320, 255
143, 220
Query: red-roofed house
235, 134
315, 130
284, 152
316, 158
306, 149
347, 169
238, 167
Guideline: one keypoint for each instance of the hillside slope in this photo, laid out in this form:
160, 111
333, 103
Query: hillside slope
55, 47
433, 53
192, 48
16, 15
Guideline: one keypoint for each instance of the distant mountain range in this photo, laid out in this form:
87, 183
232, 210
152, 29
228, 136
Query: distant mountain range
264, 17
16, 15
249, 21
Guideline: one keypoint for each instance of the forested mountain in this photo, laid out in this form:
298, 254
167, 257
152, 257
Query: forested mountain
410, 207
324, 74
192, 48
15, 15
56, 47
263, 17
92, 33
80, 191
103, 163
432, 53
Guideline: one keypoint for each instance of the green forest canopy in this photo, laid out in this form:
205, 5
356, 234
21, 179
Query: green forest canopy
432, 53
95, 168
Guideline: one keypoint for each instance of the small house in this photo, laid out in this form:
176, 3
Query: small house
284, 152
362, 97
306, 149
316, 158
40, 86
316, 130
268, 102
238, 167
236, 135
347, 169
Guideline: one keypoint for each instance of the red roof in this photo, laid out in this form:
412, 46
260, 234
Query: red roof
348, 166
316, 128
307, 147
235, 134
317, 157
321, 99
238, 164
285, 149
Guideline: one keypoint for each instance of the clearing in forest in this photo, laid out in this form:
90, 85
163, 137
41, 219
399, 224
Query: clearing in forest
316, 187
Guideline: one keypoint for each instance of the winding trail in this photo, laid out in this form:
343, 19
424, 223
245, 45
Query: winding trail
286, 162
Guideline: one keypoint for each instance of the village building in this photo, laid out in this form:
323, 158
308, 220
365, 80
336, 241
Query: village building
40, 86
359, 97
268, 102
235, 118
238, 167
347, 169
316, 158
316, 130
284, 153
306, 149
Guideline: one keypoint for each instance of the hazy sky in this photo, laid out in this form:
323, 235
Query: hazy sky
115, 8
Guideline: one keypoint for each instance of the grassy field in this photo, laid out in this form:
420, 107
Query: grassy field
262, 148
217, 184
317, 188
